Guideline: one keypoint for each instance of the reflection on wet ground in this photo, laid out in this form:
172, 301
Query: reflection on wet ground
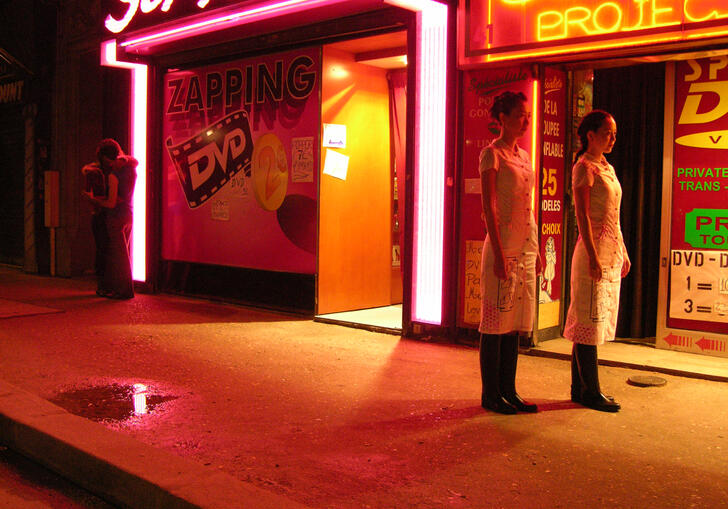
114, 402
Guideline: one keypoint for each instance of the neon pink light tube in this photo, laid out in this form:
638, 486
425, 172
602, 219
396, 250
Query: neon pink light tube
138, 149
259, 12
430, 138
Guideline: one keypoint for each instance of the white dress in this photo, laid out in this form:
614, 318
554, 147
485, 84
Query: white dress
592, 316
509, 305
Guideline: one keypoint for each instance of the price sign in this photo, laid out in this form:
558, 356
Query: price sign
699, 285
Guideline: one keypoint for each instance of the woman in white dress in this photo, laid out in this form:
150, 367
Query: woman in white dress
600, 259
510, 255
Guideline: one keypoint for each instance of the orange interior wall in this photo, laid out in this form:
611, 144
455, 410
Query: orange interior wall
354, 263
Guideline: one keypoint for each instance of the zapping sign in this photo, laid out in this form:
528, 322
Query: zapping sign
240, 141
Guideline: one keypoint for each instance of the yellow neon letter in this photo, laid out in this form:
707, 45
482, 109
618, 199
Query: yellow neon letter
694, 18
541, 26
117, 25
617, 23
641, 7
578, 21
658, 11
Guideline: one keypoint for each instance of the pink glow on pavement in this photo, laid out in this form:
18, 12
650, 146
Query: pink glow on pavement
138, 149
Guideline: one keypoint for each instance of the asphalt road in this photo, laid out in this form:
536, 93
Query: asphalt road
342, 418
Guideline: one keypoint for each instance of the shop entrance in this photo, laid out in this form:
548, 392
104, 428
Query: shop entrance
634, 95
361, 193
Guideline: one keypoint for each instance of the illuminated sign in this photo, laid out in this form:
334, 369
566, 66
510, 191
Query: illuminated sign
493, 30
699, 217
125, 15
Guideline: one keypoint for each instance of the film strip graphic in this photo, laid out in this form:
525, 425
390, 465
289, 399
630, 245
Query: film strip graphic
208, 160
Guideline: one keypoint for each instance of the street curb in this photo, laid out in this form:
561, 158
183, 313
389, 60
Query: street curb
622, 364
115, 467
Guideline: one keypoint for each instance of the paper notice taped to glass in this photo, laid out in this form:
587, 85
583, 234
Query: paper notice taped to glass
336, 164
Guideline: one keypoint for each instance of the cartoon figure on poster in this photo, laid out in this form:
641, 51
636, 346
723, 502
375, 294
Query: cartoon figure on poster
549, 272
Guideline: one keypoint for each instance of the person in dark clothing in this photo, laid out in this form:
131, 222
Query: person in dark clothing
117, 279
95, 177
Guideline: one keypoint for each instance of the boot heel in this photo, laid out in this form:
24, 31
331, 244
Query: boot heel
499, 405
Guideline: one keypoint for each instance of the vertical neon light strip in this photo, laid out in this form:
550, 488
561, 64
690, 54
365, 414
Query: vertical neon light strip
534, 141
138, 149
534, 125
429, 192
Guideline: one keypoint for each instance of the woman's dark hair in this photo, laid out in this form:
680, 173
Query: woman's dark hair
505, 103
108, 148
591, 122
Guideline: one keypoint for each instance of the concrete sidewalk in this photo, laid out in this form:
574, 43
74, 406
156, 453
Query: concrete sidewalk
115, 467
257, 409
644, 357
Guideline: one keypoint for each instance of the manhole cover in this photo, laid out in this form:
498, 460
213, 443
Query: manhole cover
646, 381
114, 402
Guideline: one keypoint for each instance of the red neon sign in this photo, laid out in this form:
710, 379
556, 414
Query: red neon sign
493, 30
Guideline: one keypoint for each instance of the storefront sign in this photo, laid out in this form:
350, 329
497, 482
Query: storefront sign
504, 29
11, 92
552, 195
127, 15
481, 87
699, 235
239, 186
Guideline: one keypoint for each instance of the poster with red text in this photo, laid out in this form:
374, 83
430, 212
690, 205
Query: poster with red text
699, 224
240, 151
552, 196
481, 87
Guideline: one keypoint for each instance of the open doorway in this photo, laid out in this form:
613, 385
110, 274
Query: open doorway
638, 161
361, 194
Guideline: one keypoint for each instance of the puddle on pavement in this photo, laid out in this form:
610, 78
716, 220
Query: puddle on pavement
112, 403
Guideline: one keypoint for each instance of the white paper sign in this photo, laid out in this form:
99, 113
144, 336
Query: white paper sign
699, 285
302, 159
334, 135
336, 164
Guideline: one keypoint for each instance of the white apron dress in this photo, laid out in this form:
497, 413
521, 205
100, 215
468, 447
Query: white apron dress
509, 305
592, 316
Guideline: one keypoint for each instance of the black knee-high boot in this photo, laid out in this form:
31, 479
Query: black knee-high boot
591, 394
490, 375
508, 365
575, 378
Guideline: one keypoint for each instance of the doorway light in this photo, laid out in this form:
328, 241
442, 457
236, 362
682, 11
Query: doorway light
138, 149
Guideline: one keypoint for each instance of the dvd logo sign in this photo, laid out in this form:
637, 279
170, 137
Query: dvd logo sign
232, 146
699, 91
204, 165
705, 102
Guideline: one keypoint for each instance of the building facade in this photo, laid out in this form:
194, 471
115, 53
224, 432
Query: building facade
321, 156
